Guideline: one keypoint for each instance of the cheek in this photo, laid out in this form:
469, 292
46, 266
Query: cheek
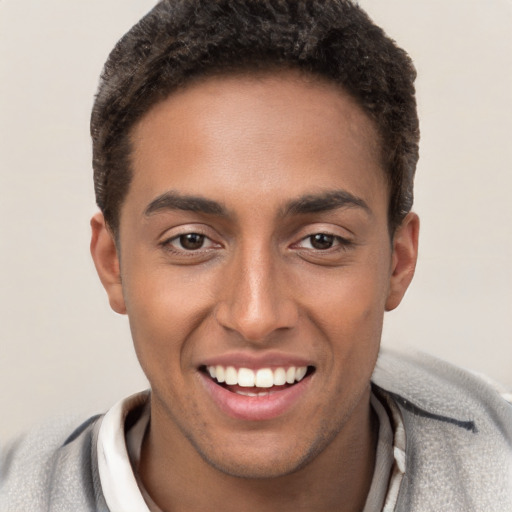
349, 297
348, 309
164, 307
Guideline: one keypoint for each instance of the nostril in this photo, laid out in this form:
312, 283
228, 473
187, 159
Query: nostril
256, 316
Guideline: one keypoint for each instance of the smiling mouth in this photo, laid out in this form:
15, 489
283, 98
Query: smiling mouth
257, 383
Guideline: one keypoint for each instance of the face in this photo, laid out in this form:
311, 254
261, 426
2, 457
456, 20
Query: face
255, 265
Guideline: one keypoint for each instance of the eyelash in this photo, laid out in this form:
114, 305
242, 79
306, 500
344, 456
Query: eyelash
167, 244
338, 242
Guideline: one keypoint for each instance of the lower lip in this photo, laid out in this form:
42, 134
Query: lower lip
255, 408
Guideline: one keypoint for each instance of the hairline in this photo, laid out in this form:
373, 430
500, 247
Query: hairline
260, 71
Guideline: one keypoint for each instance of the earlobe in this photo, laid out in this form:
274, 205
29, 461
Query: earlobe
106, 260
405, 255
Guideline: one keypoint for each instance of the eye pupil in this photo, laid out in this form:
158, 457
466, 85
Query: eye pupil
192, 241
322, 241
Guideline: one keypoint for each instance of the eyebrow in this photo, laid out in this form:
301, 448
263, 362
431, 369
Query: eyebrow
323, 202
175, 201
310, 203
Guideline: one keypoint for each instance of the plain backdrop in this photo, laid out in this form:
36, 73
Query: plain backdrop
62, 349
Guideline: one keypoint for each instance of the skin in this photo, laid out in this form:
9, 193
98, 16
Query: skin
257, 146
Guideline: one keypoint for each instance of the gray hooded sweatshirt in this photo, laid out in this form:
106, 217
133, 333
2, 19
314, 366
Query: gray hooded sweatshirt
458, 447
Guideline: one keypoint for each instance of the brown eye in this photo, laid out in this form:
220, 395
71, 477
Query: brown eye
191, 241
322, 241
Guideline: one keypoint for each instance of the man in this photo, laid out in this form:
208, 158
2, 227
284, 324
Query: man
254, 165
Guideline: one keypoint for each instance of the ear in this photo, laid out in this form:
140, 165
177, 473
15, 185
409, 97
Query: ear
403, 261
106, 259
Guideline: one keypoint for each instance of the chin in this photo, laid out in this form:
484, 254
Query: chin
256, 469
264, 460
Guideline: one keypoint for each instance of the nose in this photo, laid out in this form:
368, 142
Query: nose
256, 300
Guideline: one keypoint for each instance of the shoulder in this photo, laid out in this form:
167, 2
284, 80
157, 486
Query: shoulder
37, 467
436, 396
437, 384
458, 435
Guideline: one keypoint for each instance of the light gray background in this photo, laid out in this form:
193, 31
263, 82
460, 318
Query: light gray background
62, 349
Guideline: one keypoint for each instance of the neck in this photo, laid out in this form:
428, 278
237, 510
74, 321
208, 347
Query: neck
338, 479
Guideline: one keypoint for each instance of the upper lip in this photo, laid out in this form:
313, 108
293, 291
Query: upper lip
269, 359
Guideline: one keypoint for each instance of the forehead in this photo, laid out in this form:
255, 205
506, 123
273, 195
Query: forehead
267, 133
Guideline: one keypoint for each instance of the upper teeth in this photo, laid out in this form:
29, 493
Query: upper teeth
262, 378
